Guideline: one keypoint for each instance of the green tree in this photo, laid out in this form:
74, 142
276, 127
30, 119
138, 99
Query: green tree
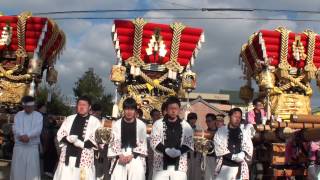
56, 105
90, 84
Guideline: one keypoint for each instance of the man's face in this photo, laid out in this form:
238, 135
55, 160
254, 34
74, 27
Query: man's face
192, 122
235, 119
259, 106
129, 113
211, 124
219, 123
173, 111
83, 107
156, 115
28, 109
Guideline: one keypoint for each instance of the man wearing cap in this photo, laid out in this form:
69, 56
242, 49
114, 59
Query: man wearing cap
76, 138
26, 129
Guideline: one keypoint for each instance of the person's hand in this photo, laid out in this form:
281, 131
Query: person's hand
122, 160
129, 158
172, 152
24, 139
72, 138
78, 143
239, 158
177, 152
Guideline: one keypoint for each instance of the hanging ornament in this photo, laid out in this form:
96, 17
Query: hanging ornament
118, 74
189, 80
52, 76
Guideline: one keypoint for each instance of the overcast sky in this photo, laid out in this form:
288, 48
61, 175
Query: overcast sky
89, 42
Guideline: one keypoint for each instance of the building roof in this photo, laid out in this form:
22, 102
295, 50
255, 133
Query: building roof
210, 96
199, 99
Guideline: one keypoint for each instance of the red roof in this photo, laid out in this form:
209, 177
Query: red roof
39, 31
190, 41
271, 40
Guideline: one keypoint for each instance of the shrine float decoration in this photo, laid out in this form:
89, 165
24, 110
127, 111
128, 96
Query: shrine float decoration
29, 46
154, 61
283, 64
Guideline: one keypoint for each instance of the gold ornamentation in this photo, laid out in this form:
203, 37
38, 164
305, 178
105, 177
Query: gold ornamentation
284, 66
8, 74
158, 86
284, 105
203, 145
11, 93
310, 68
6, 35
246, 93
138, 32
189, 80
174, 66
103, 135
298, 49
177, 30
251, 48
35, 66
249, 70
118, 73
266, 79
21, 30
52, 76
58, 50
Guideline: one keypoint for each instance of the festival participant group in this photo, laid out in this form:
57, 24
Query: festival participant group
167, 153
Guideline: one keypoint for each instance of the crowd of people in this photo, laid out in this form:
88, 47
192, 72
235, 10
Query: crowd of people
71, 151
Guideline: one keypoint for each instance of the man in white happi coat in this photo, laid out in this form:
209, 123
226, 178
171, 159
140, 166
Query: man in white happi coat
76, 138
233, 148
128, 147
171, 139
26, 129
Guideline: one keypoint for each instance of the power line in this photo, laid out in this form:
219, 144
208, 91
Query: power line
191, 18
180, 10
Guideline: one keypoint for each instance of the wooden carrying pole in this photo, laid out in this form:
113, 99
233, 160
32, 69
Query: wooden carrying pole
305, 119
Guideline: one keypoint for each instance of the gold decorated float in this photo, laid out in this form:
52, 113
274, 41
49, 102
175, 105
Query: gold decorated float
154, 61
28, 46
283, 64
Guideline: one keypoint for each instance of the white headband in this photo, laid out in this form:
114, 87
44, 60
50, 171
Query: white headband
29, 103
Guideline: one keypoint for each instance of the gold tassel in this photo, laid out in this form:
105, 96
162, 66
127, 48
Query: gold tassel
82, 174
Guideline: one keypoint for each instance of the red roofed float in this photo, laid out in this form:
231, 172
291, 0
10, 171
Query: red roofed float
154, 61
28, 46
283, 63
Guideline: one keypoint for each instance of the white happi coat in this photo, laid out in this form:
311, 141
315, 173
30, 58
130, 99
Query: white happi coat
158, 136
136, 168
25, 160
86, 170
221, 149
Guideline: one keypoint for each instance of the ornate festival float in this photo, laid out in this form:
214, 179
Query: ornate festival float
283, 64
28, 47
154, 61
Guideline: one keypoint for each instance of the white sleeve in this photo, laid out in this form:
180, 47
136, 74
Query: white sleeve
36, 131
16, 128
